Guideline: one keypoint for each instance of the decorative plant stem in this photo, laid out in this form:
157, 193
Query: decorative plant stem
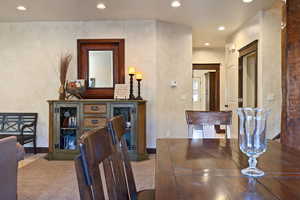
64, 65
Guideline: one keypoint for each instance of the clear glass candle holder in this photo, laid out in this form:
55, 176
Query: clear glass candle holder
252, 137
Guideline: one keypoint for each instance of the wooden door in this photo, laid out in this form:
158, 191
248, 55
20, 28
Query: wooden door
213, 91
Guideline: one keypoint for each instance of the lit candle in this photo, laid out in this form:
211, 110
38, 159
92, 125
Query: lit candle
139, 76
131, 70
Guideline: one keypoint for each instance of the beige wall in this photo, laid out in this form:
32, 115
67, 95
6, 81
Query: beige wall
208, 55
264, 27
213, 55
271, 68
30, 54
173, 63
249, 32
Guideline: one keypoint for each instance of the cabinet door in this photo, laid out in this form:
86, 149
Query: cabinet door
128, 111
67, 127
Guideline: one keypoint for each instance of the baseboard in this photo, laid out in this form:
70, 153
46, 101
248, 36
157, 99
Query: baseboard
151, 150
46, 150
38, 149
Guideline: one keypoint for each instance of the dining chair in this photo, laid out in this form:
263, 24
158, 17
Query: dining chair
100, 170
204, 119
117, 130
96, 150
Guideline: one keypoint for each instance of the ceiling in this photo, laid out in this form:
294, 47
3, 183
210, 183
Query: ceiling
204, 16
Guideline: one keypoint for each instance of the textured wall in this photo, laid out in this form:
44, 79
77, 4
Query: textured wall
173, 63
264, 27
208, 55
271, 69
249, 32
30, 54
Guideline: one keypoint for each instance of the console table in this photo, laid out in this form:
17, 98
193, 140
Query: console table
68, 120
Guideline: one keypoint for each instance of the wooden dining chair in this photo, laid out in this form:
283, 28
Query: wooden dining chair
96, 150
117, 130
207, 118
100, 169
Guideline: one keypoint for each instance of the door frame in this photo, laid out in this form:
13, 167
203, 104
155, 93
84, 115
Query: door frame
212, 66
245, 51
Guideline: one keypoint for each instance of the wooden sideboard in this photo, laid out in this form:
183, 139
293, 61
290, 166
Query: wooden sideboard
68, 120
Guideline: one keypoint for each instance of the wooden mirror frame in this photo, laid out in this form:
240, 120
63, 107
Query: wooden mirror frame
118, 48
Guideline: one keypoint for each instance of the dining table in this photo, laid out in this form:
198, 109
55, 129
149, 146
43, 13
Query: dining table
210, 169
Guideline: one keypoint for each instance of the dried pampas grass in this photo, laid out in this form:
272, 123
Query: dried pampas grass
64, 66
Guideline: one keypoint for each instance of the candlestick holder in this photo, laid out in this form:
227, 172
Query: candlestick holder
131, 96
139, 90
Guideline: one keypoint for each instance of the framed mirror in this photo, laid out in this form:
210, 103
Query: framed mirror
101, 65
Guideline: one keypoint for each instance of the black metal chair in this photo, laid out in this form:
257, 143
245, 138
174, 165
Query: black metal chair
20, 125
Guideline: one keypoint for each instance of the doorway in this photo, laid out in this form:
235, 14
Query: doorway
206, 87
206, 90
248, 75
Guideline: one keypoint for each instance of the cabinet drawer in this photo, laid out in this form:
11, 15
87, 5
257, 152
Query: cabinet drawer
94, 108
93, 122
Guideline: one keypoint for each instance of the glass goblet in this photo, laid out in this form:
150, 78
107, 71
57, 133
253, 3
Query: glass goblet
252, 137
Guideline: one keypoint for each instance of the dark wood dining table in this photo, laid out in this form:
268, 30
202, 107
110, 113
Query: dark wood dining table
209, 169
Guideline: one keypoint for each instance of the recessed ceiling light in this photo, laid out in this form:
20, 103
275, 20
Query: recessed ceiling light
221, 28
207, 44
175, 4
247, 1
101, 6
21, 8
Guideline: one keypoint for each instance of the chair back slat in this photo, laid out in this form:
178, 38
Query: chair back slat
120, 175
109, 179
118, 126
97, 186
117, 130
128, 169
84, 189
117, 160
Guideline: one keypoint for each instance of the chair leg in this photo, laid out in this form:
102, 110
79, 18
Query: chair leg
190, 131
34, 146
228, 132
